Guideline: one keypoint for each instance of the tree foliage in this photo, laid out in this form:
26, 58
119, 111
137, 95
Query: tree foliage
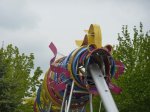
134, 52
16, 83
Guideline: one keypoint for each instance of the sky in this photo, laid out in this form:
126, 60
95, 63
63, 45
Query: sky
32, 24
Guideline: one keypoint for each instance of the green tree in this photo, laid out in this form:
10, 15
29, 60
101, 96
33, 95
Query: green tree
16, 83
134, 52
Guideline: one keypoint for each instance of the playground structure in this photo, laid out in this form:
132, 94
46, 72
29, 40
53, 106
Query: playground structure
72, 80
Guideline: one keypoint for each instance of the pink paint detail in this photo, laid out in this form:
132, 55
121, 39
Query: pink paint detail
93, 90
59, 87
114, 88
54, 50
34, 107
82, 56
50, 86
120, 68
60, 70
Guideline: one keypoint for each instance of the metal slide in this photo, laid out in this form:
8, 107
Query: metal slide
102, 88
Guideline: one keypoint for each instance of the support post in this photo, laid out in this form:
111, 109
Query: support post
64, 98
91, 103
70, 97
50, 105
100, 105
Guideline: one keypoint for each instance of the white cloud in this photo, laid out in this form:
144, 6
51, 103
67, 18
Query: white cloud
38, 22
15, 14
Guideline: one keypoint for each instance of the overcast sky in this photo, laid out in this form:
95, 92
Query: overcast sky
32, 24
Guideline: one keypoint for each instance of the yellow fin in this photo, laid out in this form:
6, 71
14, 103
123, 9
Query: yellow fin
79, 42
93, 36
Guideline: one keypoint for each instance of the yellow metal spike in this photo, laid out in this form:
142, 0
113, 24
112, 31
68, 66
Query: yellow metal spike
94, 36
86, 31
78, 42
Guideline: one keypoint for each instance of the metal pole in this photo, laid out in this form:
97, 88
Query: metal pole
103, 89
83, 109
69, 102
64, 98
100, 105
50, 105
66, 105
82, 92
91, 103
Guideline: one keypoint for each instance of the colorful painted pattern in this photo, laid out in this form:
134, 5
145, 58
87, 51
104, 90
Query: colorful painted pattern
74, 67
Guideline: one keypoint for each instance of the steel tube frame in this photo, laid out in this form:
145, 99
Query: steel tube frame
50, 105
91, 103
64, 98
70, 97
